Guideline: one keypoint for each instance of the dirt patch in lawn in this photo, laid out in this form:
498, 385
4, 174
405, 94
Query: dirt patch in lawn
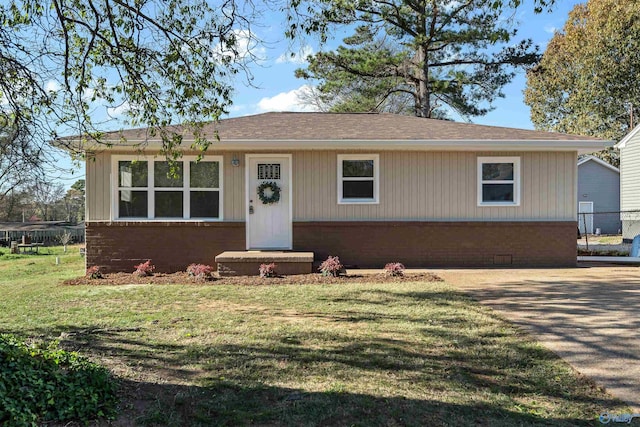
298, 279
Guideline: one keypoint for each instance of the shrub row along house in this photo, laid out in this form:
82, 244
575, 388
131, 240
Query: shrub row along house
369, 188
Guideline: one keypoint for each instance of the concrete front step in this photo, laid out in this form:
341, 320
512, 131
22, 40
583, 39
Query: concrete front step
247, 263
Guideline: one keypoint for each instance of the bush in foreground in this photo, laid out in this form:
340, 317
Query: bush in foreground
200, 271
394, 269
268, 270
144, 269
331, 267
40, 385
94, 272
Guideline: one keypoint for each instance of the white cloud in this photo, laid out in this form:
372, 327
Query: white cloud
550, 29
451, 5
246, 47
115, 112
299, 57
234, 108
287, 101
88, 93
52, 86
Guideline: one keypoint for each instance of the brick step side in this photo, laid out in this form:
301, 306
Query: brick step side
238, 263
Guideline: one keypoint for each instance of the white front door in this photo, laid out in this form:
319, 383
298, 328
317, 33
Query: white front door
268, 224
585, 217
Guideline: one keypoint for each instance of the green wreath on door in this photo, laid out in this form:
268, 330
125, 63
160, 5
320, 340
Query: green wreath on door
275, 192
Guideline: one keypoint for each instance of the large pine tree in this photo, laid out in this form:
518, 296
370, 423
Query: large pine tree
442, 55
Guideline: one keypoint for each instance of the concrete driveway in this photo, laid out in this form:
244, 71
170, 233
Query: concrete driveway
590, 316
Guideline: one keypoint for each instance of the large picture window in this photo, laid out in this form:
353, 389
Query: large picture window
498, 181
358, 178
150, 189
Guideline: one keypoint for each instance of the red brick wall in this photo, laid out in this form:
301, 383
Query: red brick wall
119, 246
441, 244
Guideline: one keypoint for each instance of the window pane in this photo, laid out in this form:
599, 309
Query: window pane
497, 192
357, 190
132, 174
357, 168
169, 204
205, 175
163, 179
205, 204
132, 204
497, 171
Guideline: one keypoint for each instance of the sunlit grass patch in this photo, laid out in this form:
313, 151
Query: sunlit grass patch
406, 353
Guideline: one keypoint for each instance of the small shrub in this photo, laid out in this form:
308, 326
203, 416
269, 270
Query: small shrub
94, 272
200, 271
65, 238
144, 269
268, 270
331, 267
394, 269
43, 384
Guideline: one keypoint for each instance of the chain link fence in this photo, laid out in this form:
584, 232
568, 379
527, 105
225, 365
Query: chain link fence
611, 231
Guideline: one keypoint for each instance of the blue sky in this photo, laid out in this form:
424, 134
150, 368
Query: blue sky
275, 87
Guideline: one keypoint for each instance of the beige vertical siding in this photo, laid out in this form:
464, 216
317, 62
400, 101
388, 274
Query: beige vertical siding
630, 187
98, 184
630, 176
98, 187
233, 187
413, 186
435, 186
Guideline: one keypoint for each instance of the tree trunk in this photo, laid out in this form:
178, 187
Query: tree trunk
423, 106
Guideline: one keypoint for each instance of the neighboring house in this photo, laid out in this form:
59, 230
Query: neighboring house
599, 193
47, 232
369, 188
629, 148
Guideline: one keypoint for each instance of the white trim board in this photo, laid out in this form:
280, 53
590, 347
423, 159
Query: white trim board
595, 159
623, 142
582, 147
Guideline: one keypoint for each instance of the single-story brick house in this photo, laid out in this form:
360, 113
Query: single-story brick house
369, 188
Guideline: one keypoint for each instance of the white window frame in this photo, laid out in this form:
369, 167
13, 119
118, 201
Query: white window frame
375, 178
516, 180
151, 189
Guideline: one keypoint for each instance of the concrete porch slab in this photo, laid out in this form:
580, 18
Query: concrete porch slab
247, 263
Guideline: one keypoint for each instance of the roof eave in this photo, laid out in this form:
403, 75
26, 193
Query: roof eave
581, 146
598, 161
629, 136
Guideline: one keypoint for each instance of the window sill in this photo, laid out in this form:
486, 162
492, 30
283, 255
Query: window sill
358, 202
167, 220
498, 205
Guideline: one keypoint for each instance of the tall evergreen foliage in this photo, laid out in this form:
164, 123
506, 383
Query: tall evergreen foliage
434, 55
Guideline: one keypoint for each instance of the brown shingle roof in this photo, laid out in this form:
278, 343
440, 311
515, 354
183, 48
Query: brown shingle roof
355, 126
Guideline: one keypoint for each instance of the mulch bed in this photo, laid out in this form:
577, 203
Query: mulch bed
299, 279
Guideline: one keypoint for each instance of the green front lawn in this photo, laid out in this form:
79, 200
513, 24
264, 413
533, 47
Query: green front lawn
353, 354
